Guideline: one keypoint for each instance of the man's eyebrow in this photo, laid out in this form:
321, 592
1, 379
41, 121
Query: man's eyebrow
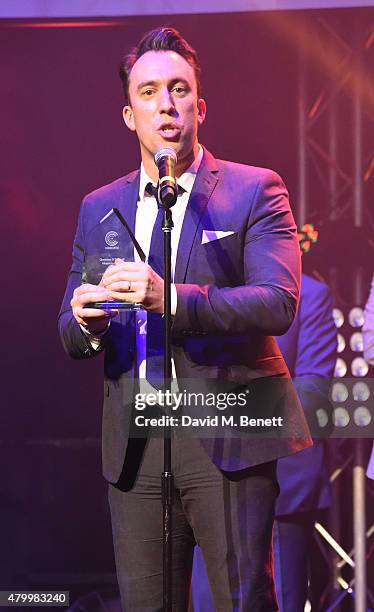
172, 82
146, 84
179, 80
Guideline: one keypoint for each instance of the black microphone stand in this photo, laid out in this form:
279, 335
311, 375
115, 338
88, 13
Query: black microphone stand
167, 475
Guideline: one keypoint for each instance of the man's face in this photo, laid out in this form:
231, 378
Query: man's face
164, 108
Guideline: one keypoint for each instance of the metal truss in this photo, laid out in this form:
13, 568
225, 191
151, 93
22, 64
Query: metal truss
336, 113
338, 558
335, 176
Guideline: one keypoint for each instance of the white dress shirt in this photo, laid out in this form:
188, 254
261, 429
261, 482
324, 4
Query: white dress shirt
146, 214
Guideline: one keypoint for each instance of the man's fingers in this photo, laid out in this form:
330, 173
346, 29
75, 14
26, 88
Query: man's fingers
91, 313
130, 281
87, 288
87, 298
134, 266
83, 315
87, 294
125, 286
130, 267
126, 277
134, 297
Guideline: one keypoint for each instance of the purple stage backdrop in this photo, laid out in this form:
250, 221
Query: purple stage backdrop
62, 136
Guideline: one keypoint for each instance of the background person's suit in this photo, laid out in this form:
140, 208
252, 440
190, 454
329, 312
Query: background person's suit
309, 349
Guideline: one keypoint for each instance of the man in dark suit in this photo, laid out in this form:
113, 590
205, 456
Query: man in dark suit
309, 349
235, 265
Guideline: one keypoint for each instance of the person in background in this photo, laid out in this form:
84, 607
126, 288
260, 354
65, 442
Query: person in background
368, 335
309, 348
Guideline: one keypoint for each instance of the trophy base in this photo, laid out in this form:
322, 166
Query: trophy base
114, 305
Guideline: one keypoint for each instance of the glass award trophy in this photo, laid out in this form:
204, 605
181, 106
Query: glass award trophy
110, 239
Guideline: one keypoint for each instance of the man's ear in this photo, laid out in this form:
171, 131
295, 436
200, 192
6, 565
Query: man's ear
201, 105
128, 117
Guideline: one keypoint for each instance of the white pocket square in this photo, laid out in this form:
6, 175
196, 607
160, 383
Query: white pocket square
210, 235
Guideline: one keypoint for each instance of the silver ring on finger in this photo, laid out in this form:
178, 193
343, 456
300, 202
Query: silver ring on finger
129, 286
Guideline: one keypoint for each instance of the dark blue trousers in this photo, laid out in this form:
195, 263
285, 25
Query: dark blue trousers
229, 514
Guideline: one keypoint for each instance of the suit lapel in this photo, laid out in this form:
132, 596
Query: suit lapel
205, 182
128, 205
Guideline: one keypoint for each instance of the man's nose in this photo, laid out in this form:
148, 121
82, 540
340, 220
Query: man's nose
166, 101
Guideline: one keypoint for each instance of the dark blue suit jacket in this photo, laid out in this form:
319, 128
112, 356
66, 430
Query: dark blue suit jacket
309, 348
234, 294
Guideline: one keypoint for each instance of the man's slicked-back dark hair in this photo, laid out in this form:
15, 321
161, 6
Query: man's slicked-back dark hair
160, 39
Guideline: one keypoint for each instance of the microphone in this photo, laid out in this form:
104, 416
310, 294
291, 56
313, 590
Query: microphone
166, 160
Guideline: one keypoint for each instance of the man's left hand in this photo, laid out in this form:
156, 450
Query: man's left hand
135, 282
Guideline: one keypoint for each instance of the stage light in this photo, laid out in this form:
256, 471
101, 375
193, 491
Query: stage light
359, 367
362, 416
340, 417
339, 392
351, 389
361, 392
338, 317
356, 317
340, 368
322, 417
341, 343
356, 342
